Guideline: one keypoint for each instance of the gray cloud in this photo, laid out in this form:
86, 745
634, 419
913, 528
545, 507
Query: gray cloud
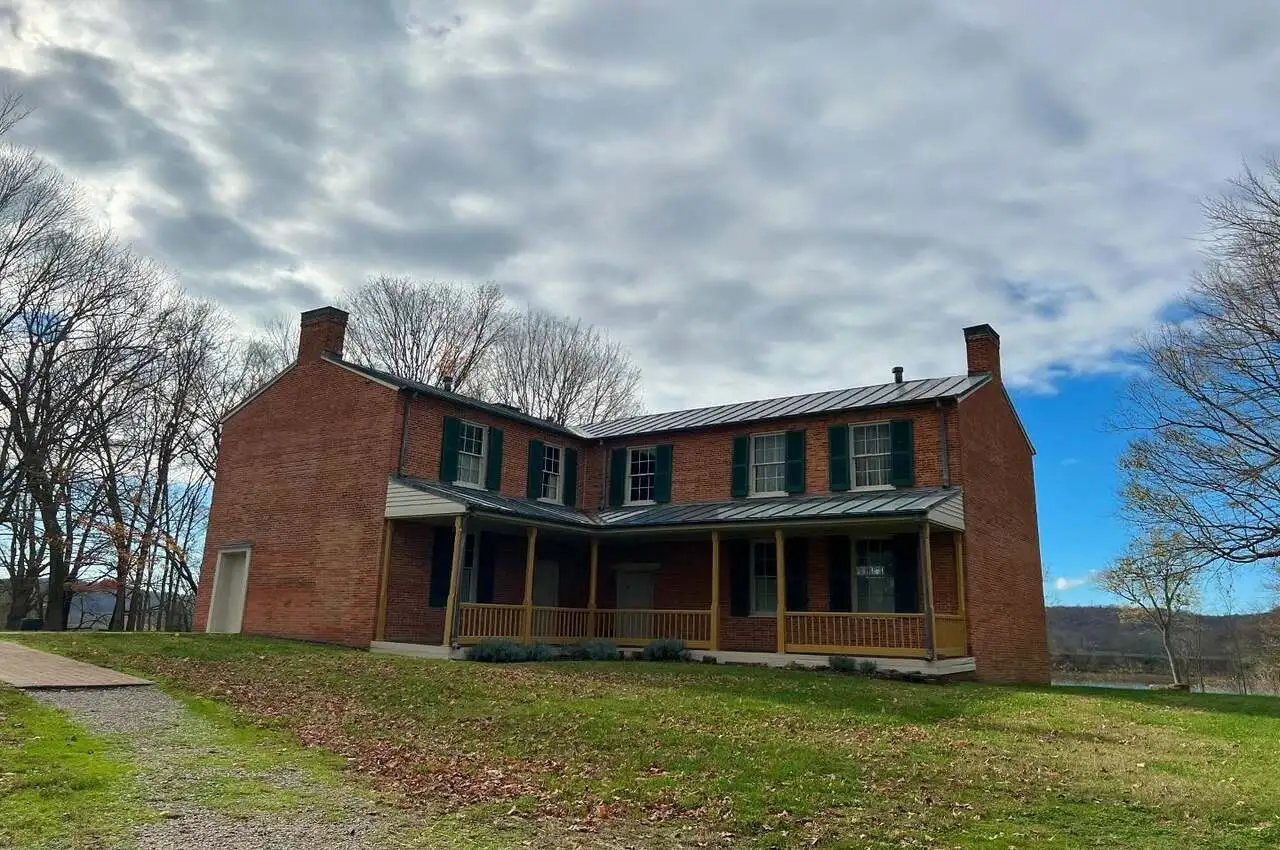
785, 196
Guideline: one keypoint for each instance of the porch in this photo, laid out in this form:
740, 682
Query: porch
874, 586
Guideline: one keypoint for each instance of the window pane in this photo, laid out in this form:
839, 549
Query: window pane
768, 463
467, 579
642, 465
471, 453
870, 454
551, 473
874, 574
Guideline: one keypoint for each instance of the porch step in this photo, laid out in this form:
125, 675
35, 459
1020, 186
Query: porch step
415, 650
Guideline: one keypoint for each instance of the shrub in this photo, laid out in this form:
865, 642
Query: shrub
596, 649
664, 649
709, 659
845, 664
504, 651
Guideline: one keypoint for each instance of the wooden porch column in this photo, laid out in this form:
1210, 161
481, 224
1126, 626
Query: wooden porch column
957, 539
926, 568
780, 588
455, 576
591, 587
715, 591
527, 631
380, 632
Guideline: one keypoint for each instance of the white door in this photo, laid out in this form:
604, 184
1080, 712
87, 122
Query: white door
635, 593
230, 580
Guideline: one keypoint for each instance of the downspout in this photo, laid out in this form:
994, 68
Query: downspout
409, 396
943, 439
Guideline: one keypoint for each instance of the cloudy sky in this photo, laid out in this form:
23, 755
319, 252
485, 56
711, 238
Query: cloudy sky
757, 197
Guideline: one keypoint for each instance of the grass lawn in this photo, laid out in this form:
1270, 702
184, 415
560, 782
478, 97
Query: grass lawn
60, 787
680, 755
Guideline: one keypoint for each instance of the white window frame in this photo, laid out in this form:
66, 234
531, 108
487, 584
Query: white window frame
484, 454
853, 466
469, 574
756, 610
853, 579
751, 465
558, 498
627, 500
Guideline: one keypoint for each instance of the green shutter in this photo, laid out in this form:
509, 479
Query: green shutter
449, 451
738, 486
902, 472
485, 566
797, 589
493, 460
795, 462
838, 445
739, 552
536, 452
441, 566
569, 472
906, 574
839, 573
617, 477
662, 474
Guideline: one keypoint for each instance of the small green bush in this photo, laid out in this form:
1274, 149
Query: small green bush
665, 649
845, 664
596, 649
504, 651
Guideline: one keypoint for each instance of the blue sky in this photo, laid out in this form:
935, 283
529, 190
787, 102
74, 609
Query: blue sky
757, 198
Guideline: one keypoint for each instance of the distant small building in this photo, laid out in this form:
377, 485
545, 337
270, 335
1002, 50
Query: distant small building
895, 522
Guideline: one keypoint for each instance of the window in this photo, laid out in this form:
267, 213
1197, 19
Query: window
551, 476
471, 447
873, 577
768, 464
642, 467
470, 570
871, 455
764, 577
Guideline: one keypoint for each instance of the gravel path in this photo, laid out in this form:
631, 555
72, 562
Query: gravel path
166, 739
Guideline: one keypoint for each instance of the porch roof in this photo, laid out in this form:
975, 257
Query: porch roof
943, 504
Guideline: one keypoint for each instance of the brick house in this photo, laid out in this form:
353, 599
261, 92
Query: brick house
896, 522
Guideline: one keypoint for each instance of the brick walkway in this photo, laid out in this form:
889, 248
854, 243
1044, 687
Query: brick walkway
30, 668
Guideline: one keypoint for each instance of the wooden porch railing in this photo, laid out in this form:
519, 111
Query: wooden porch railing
480, 620
633, 627
951, 635
559, 625
869, 634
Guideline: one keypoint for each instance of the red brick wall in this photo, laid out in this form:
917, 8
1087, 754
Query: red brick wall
703, 459
1004, 590
302, 476
408, 582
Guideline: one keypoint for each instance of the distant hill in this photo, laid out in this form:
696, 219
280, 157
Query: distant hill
1100, 631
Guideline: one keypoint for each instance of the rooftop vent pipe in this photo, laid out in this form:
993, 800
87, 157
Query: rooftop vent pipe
897, 374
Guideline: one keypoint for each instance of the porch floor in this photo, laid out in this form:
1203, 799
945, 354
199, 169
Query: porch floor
942, 667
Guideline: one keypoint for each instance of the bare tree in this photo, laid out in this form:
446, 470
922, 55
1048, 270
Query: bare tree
1205, 458
423, 330
1159, 584
557, 368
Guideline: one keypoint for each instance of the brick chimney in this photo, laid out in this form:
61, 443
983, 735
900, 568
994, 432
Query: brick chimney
982, 347
323, 332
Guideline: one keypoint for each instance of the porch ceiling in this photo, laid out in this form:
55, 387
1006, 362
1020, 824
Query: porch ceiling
408, 497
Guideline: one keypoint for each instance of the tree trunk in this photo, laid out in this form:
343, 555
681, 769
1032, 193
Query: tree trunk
19, 603
1165, 638
55, 610
118, 610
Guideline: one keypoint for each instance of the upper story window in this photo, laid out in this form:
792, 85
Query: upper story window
471, 454
552, 476
642, 468
871, 454
764, 578
768, 464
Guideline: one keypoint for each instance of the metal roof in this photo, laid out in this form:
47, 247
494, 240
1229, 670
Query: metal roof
469, 401
875, 503
834, 505
880, 395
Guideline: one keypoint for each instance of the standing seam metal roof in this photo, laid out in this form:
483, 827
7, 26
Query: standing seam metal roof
833, 505
879, 395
